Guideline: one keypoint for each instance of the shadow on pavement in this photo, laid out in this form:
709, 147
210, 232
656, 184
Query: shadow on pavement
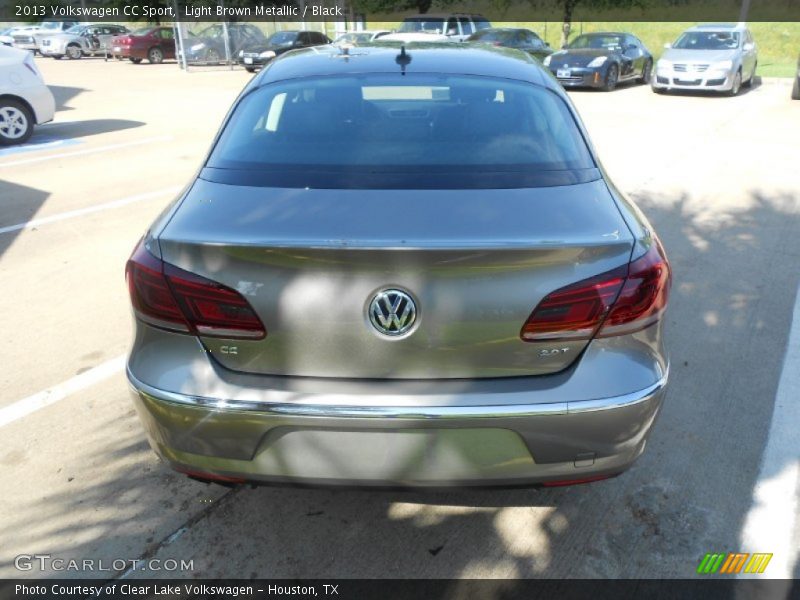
18, 203
89, 127
63, 94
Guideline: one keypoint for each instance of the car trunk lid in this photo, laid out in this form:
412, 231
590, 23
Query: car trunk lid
475, 262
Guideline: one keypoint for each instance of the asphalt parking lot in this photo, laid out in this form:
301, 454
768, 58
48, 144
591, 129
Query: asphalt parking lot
718, 177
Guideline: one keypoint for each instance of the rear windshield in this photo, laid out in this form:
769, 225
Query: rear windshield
597, 42
282, 37
491, 35
451, 127
431, 25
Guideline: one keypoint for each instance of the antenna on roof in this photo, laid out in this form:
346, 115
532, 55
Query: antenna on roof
403, 59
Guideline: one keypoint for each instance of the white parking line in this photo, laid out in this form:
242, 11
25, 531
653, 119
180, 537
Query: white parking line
770, 526
31, 404
88, 210
94, 150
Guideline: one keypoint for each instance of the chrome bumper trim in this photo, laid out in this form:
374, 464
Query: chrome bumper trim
402, 412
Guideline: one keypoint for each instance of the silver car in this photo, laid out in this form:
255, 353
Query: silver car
81, 40
400, 267
708, 57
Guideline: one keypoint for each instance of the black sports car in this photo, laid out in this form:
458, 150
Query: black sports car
521, 39
601, 60
255, 56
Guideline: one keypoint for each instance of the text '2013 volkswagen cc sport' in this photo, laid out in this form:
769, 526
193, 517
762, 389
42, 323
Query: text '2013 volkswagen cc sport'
400, 266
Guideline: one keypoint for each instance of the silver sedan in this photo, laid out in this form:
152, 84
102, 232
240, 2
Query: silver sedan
400, 266
719, 58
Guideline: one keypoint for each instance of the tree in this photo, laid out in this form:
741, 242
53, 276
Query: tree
568, 8
395, 6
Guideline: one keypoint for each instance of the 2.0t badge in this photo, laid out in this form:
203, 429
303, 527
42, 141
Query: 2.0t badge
392, 312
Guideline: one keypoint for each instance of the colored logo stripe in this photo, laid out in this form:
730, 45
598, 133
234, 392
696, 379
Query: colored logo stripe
733, 562
710, 563
758, 563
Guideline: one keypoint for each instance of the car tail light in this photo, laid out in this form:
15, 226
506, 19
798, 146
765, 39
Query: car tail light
171, 298
644, 296
618, 302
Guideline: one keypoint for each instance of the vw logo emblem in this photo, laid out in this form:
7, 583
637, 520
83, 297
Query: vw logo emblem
392, 312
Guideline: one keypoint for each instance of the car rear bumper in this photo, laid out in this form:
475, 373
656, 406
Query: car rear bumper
42, 101
512, 431
123, 51
52, 51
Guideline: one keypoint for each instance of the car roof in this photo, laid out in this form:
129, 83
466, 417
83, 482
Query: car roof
718, 27
502, 29
442, 15
605, 33
426, 57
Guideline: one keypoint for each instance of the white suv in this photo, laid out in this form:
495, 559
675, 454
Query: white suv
456, 26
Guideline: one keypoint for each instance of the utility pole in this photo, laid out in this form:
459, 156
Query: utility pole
743, 12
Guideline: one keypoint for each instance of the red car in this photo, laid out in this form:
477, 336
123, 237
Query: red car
153, 43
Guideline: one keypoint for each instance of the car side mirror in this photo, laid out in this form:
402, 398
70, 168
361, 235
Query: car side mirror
748, 47
667, 45
452, 32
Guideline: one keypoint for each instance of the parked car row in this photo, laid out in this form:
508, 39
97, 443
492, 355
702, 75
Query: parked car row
718, 57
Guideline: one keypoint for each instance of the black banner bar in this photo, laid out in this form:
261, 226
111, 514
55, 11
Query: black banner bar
709, 588
168, 11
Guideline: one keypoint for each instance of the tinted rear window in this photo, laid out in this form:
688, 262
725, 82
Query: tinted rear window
492, 35
452, 127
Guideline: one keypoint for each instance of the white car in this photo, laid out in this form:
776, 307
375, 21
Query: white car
7, 35
25, 100
418, 36
456, 27
364, 36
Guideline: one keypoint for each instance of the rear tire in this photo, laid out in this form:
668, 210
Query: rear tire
250, 69
647, 72
16, 122
136, 61
57, 56
155, 56
74, 52
612, 77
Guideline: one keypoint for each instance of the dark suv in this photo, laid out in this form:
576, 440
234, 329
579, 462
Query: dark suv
257, 55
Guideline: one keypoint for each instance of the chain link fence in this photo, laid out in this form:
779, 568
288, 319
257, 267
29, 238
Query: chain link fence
228, 44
